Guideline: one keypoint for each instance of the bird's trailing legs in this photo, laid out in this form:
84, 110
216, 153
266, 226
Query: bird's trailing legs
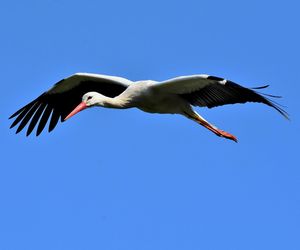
197, 118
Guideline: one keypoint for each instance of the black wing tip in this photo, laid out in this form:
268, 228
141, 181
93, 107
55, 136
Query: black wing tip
285, 114
268, 101
282, 112
261, 87
276, 106
38, 133
28, 133
50, 129
272, 103
32, 114
12, 125
39, 130
12, 116
17, 112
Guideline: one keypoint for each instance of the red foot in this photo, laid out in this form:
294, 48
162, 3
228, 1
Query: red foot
226, 135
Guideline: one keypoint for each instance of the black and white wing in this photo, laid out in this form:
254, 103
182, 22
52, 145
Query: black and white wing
211, 91
63, 97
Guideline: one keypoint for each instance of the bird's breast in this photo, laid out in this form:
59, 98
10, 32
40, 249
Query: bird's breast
160, 103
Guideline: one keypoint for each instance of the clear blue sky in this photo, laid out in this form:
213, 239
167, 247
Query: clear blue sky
115, 179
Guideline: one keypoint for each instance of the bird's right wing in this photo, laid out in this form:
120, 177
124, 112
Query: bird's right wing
211, 91
63, 97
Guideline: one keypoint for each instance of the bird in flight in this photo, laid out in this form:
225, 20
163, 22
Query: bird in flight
174, 96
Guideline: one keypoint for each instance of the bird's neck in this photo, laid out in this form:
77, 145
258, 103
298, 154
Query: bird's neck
117, 102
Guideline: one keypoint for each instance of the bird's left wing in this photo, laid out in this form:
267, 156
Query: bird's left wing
63, 97
211, 91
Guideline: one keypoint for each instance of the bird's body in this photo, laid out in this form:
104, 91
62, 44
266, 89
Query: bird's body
174, 96
143, 96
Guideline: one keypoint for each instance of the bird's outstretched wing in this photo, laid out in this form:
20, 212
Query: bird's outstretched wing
63, 97
211, 91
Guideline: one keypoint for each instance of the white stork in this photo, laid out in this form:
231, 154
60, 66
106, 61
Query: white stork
173, 96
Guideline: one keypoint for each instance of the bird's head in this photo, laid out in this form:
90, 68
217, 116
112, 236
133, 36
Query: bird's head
89, 99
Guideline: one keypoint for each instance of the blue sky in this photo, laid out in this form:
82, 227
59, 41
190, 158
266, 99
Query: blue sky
115, 179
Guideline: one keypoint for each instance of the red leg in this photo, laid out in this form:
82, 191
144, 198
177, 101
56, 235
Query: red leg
215, 130
226, 135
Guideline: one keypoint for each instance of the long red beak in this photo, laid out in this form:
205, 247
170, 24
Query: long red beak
80, 107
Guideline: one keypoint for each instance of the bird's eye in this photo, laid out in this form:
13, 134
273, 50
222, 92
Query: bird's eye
89, 98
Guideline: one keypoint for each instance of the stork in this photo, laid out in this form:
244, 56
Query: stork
174, 96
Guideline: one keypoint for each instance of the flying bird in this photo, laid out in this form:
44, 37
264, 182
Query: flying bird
174, 96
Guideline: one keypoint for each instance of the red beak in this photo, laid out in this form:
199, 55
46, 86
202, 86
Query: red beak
80, 107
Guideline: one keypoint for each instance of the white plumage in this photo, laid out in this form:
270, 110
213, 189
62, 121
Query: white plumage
173, 96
